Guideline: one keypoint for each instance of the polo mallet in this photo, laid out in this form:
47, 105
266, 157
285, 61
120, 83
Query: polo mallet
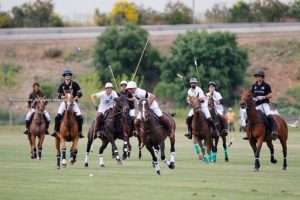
113, 76
140, 60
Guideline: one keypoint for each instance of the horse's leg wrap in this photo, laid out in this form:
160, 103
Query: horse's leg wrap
40, 153
196, 149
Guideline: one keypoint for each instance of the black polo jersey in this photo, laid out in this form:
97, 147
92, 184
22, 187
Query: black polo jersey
33, 96
261, 90
72, 86
128, 95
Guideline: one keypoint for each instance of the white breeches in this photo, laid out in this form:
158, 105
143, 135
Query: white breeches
204, 109
102, 109
132, 113
155, 108
32, 110
265, 108
62, 108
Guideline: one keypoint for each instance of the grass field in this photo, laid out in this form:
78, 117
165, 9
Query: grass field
23, 178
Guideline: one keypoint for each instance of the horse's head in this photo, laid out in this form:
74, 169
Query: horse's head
144, 109
195, 102
246, 99
69, 101
122, 105
40, 105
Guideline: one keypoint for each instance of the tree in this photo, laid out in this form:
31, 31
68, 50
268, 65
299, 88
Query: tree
5, 20
273, 10
218, 59
240, 12
218, 13
121, 48
294, 10
178, 13
148, 16
37, 14
100, 19
124, 12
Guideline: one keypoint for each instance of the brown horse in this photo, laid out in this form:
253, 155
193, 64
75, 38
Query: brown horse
153, 135
221, 125
37, 129
114, 126
201, 131
257, 130
68, 132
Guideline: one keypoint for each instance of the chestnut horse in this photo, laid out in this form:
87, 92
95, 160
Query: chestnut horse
201, 131
258, 132
68, 132
37, 129
153, 135
221, 126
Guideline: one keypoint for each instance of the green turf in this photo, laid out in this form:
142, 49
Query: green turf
23, 178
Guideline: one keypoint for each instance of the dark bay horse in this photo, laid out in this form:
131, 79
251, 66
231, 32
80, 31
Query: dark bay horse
221, 126
201, 131
68, 132
115, 127
37, 129
257, 130
153, 135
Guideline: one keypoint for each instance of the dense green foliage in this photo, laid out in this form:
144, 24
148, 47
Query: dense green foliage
8, 73
39, 13
121, 47
218, 59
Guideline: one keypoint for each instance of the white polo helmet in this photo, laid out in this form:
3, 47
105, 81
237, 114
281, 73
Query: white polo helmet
108, 85
131, 85
123, 83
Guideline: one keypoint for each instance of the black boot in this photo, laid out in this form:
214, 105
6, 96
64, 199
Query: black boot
47, 127
99, 122
58, 119
26, 132
80, 122
189, 126
273, 127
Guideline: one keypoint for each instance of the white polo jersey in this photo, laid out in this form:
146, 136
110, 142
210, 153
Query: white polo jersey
217, 98
106, 101
197, 92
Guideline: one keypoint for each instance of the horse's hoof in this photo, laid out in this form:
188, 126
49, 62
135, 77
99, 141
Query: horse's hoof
58, 167
256, 169
273, 161
172, 165
124, 157
86, 164
226, 160
102, 165
158, 172
119, 162
284, 168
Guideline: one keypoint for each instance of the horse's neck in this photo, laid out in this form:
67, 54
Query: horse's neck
252, 113
68, 117
198, 117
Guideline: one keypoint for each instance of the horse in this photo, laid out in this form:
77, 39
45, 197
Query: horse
153, 135
257, 130
221, 126
68, 132
114, 127
201, 131
37, 128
